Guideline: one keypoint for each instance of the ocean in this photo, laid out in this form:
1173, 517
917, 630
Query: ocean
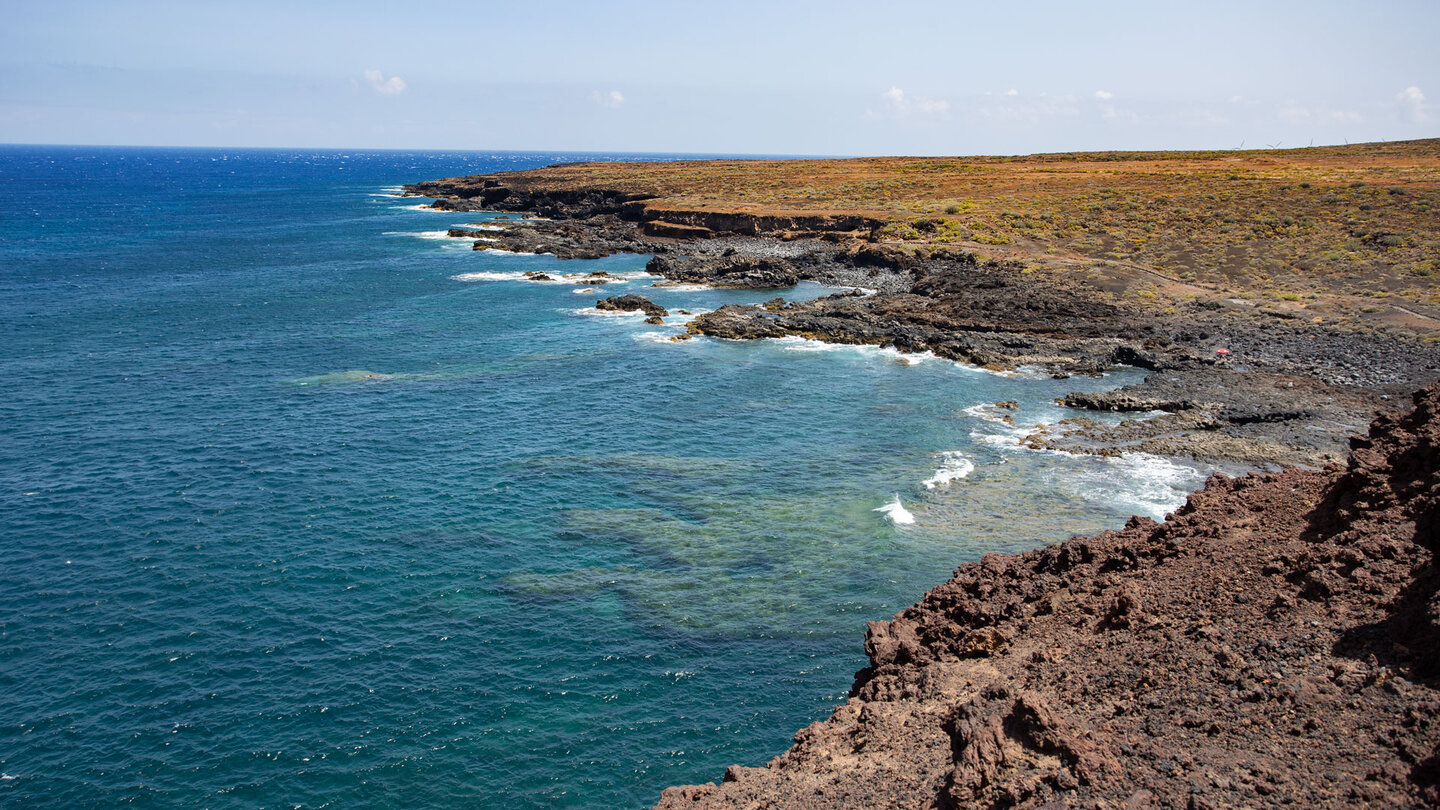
304, 504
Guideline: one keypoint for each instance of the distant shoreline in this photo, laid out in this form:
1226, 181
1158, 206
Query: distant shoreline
1265, 381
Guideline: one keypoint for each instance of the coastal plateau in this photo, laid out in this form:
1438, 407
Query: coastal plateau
1270, 643
1278, 297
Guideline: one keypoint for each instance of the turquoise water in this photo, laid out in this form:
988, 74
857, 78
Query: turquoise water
302, 504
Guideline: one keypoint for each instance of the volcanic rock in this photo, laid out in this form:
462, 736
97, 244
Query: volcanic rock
631, 303
726, 271
1272, 643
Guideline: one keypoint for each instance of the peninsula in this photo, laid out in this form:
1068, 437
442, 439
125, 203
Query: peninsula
1273, 641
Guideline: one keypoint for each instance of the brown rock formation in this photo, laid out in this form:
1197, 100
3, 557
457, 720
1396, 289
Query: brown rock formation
1274, 642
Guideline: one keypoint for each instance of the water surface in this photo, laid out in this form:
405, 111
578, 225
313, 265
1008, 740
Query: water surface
303, 503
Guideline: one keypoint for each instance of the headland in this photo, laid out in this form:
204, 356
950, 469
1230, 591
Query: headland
1279, 297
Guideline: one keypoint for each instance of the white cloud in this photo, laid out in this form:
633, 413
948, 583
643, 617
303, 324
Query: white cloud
1104, 95
931, 106
612, 99
392, 86
1197, 117
898, 103
1036, 111
1412, 104
1012, 92
1293, 113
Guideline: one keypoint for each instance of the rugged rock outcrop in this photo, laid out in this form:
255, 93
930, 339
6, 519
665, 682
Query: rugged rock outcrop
1272, 643
594, 239
488, 192
631, 303
515, 192
726, 271
676, 230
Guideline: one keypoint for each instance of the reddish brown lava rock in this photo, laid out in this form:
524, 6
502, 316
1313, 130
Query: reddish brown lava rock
1274, 642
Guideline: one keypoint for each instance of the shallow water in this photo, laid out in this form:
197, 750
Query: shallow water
302, 502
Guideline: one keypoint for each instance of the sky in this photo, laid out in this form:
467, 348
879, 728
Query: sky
737, 77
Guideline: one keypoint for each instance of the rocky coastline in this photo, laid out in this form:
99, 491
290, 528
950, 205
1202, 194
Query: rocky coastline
1229, 383
1272, 643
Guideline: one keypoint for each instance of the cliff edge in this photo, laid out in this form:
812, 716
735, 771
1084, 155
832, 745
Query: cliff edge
1275, 642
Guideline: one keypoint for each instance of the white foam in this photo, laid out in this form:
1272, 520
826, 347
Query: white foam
974, 369
608, 313
424, 234
482, 226
1009, 433
954, 465
609, 279
1149, 485
795, 343
519, 275
981, 411
894, 354
679, 287
896, 512
657, 337
490, 276
424, 207
800, 344
996, 439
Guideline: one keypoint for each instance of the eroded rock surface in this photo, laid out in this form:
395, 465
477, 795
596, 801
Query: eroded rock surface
726, 271
631, 303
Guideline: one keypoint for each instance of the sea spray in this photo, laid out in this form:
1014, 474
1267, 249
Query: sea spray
954, 465
896, 512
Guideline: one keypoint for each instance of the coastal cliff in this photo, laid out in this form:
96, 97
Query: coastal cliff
1274, 642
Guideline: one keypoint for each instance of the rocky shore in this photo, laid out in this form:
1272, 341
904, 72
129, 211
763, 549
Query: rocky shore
1273, 643
1229, 382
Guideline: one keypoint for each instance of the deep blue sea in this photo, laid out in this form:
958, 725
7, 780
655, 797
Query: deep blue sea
304, 505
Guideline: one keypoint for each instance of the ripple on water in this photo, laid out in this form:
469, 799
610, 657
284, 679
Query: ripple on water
299, 511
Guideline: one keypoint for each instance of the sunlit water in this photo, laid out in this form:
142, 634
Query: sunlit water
303, 504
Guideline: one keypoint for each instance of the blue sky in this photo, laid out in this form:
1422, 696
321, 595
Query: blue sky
735, 77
